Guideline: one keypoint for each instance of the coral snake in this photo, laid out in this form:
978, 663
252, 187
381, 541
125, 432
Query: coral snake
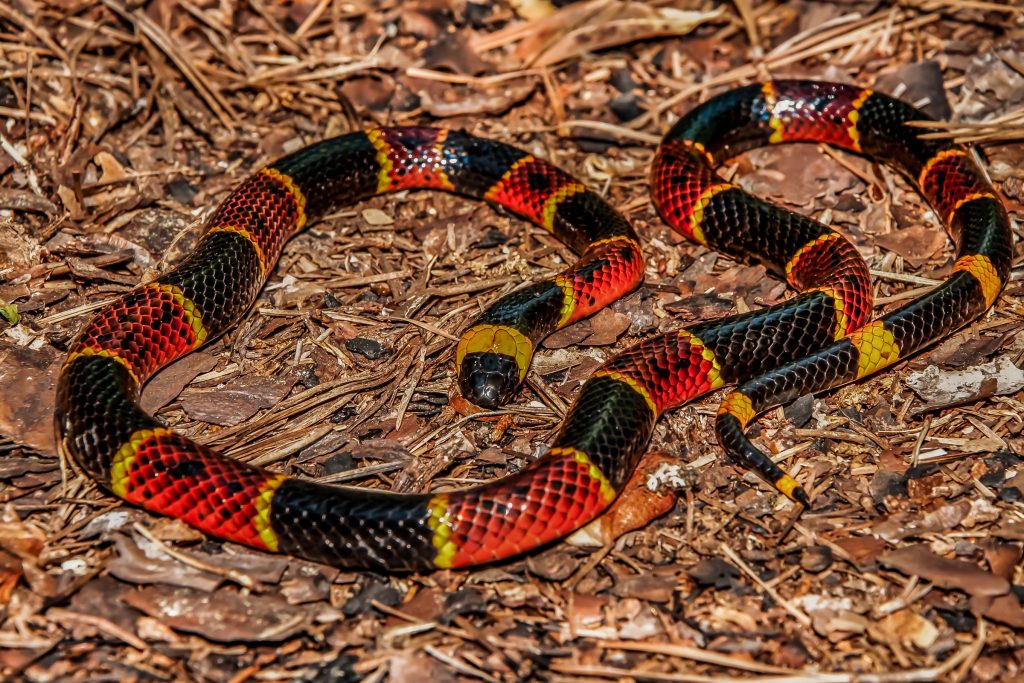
818, 339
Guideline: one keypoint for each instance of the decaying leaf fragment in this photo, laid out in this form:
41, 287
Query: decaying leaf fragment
585, 27
942, 388
650, 493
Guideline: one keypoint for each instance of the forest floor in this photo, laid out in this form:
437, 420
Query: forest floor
125, 123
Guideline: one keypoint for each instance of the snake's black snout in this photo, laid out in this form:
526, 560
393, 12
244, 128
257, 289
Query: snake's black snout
489, 379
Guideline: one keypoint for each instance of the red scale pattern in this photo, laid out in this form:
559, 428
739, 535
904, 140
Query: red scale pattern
677, 200
174, 476
540, 504
146, 328
265, 207
417, 159
527, 188
602, 274
671, 368
831, 121
950, 180
836, 264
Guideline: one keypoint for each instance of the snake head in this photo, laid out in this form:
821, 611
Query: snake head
489, 379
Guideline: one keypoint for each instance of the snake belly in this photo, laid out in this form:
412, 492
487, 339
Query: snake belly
607, 429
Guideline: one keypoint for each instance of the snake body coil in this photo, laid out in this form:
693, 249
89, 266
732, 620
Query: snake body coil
819, 339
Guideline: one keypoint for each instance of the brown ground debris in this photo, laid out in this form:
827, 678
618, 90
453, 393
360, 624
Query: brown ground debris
124, 123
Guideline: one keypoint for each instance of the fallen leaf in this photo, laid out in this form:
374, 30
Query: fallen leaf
1006, 609
650, 587
144, 563
426, 605
554, 565
490, 101
1011, 531
916, 244
649, 493
112, 170
921, 83
569, 336
29, 378
23, 200
168, 383
918, 560
585, 27
606, 326
226, 616
100, 597
900, 525
959, 351
236, 401
862, 550
1003, 558
450, 52
71, 202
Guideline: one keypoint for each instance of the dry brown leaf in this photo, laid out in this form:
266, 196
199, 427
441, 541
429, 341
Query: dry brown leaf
649, 493
225, 616
112, 170
1006, 609
29, 378
168, 383
916, 244
238, 400
588, 26
918, 560
862, 550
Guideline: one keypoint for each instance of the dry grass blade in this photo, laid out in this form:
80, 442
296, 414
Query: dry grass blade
694, 654
979, 5
779, 600
9, 13
963, 658
218, 105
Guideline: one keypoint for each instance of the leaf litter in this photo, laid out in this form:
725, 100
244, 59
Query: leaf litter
125, 123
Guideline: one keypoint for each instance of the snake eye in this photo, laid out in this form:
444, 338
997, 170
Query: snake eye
489, 379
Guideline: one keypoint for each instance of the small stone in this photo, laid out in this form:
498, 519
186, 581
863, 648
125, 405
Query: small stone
1010, 494
330, 301
308, 377
622, 80
799, 411
816, 559
339, 462
181, 191
492, 238
370, 348
625, 107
